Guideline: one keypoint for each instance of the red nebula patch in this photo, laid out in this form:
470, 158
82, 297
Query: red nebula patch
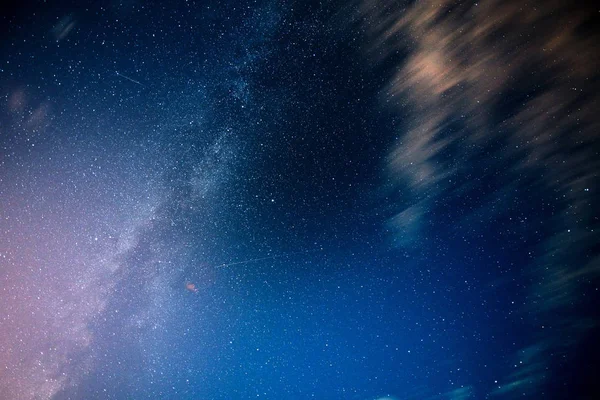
191, 287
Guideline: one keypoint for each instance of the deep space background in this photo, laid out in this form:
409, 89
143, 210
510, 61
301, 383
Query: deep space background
299, 199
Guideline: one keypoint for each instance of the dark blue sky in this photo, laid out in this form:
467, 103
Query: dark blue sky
288, 200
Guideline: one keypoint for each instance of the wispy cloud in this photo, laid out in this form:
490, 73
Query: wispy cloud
522, 77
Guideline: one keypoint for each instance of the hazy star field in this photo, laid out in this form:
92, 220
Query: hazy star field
364, 199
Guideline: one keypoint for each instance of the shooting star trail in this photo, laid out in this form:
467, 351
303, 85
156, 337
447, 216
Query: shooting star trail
224, 265
129, 79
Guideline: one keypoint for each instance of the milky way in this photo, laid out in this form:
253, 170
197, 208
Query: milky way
353, 200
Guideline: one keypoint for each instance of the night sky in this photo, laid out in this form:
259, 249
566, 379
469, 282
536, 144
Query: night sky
299, 200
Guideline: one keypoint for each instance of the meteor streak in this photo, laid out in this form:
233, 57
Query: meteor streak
224, 265
129, 79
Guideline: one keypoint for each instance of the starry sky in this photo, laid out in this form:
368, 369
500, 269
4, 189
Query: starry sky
364, 199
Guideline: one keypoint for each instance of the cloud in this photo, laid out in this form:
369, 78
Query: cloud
63, 27
406, 225
517, 83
